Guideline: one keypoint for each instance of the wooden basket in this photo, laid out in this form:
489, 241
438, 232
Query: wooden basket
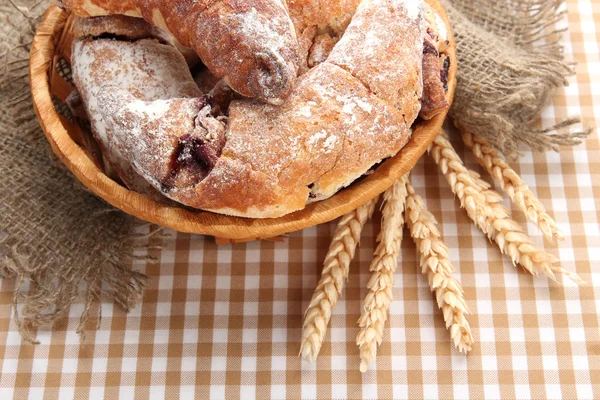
53, 42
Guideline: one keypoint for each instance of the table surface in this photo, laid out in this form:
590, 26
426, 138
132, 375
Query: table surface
226, 321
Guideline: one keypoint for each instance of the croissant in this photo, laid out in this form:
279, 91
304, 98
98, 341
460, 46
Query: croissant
251, 44
320, 24
345, 115
139, 64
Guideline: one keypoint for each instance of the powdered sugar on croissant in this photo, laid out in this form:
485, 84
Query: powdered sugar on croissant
251, 44
144, 68
389, 60
173, 143
338, 122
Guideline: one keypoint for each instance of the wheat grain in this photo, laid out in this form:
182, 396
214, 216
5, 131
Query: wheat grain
512, 184
377, 302
483, 207
334, 273
437, 267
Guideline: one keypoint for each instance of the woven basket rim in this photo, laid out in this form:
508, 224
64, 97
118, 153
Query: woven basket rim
44, 46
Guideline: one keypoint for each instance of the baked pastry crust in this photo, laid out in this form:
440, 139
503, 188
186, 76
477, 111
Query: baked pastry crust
141, 65
435, 66
128, 28
332, 16
251, 44
346, 114
389, 59
330, 131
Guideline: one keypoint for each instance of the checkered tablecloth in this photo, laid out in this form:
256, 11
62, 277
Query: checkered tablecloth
225, 321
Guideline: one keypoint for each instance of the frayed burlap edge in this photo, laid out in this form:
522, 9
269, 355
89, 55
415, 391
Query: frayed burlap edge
510, 65
55, 260
47, 300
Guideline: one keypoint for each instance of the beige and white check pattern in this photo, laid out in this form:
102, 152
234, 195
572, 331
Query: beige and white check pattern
225, 322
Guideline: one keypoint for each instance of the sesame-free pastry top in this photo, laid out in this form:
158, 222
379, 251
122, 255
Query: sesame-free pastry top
251, 44
193, 137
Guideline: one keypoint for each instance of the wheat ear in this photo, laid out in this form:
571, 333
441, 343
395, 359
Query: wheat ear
383, 266
438, 269
512, 184
335, 272
484, 208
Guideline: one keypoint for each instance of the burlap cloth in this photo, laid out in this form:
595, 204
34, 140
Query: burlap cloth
68, 243
62, 240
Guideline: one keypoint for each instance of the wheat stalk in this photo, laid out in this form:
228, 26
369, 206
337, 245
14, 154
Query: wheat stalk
438, 269
512, 184
383, 266
483, 207
334, 273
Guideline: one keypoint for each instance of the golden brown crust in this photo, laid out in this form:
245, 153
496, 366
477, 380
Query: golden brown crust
128, 28
145, 68
251, 44
331, 16
434, 95
330, 128
389, 60
435, 65
337, 123
168, 131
